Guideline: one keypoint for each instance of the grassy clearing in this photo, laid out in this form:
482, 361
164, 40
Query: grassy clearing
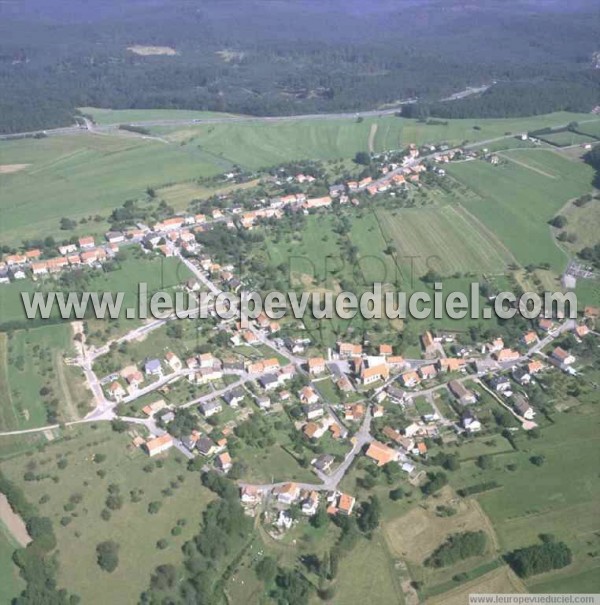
517, 200
132, 526
565, 138
590, 128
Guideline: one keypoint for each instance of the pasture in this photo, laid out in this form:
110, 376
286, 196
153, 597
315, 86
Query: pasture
498, 581
566, 138
88, 175
559, 497
84, 176
519, 197
32, 360
122, 116
368, 571
78, 493
448, 239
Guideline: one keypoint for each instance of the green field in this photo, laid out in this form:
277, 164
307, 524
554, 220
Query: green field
86, 175
590, 128
520, 196
119, 116
11, 583
31, 360
566, 138
260, 144
132, 527
560, 497
447, 238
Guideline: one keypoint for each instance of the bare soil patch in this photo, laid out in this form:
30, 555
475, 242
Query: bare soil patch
10, 168
417, 534
147, 51
14, 523
497, 581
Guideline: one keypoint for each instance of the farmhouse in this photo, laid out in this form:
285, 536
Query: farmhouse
308, 395
234, 397
505, 355
287, 493
522, 407
347, 350
529, 338
158, 445
223, 462
410, 379
316, 365
210, 408
313, 410
563, 357
342, 504
173, 361
380, 453
469, 422
152, 367
464, 395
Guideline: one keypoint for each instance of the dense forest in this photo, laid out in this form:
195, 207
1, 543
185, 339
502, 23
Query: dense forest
268, 57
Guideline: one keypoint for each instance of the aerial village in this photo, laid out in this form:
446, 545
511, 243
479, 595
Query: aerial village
354, 400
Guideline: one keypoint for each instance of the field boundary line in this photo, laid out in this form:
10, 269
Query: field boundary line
526, 165
4, 375
489, 232
372, 133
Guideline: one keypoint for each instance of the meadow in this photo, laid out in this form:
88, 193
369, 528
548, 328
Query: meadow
448, 239
11, 583
122, 116
520, 196
566, 138
77, 493
31, 360
87, 175
559, 497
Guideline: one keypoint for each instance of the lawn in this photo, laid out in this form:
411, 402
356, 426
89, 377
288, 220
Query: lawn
132, 527
520, 196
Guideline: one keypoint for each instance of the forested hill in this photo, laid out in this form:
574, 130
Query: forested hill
269, 57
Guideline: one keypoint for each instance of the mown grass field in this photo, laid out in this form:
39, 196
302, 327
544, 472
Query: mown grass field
590, 128
260, 144
120, 116
560, 497
86, 175
520, 196
565, 138
367, 572
448, 239
132, 527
